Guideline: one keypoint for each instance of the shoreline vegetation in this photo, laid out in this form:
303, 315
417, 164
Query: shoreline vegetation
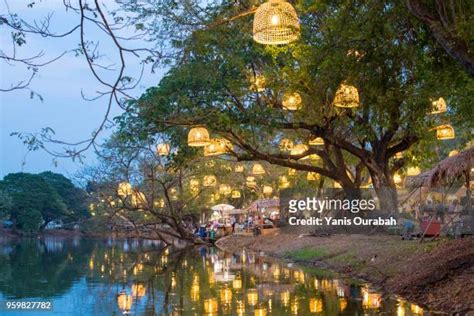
438, 275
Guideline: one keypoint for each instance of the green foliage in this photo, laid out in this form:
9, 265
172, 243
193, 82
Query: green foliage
307, 254
31, 195
28, 220
5, 203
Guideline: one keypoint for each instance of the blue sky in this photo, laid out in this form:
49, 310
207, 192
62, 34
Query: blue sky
60, 83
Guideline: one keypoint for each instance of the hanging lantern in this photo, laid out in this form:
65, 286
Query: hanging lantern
312, 176
299, 150
252, 297
198, 137
251, 182
313, 157
138, 199
283, 182
267, 190
346, 96
124, 189
399, 155
438, 106
239, 168
211, 306
292, 172
453, 153
209, 181
275, 23
217, 146
316, 141
315, 305
445, 132
413, 171
163, 149
225, 189
291, 101
194, 183
124, 301
258, 82
286, 144
236, 194
159, 203
257, 169
336, 185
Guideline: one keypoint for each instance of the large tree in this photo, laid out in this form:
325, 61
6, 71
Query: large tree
376, 46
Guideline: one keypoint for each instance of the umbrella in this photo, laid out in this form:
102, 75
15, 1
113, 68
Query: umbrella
222, 207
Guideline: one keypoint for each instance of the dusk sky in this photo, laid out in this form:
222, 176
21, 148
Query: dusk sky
60, 84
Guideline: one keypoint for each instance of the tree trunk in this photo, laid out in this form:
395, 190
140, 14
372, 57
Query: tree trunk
386, 192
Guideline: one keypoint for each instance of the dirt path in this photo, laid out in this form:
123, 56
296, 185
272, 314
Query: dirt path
439, 275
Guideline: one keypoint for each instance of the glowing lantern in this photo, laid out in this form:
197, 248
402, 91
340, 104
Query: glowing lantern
236, 194
210, 306
195, 292
285, 298
239, 168
124, 301
453, 153
399, 155
198, 137
291, 101
159, 203
397, 179
295, 307
416, 310
337, 185
258, 83
313, 157
342, 304
370, 300
209, 181
163, 149
226, 295
438, 106
292, 172
251, 181
283, 182
267, 190
260, 311
194, 183
237, 283
299, 149
252, 297
138, 290
315, 305
286, 144
445, 132
257, 169
138, 199
240, 308
312, 176
174, 194
124, 189
413, 171
275, 23
216, 147
346, 96
225, 189
316, 141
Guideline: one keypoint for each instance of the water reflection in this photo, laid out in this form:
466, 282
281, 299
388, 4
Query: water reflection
139, 277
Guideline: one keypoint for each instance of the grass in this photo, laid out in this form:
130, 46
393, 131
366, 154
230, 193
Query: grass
307, 254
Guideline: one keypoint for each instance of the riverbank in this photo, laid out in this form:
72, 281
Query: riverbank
439, 275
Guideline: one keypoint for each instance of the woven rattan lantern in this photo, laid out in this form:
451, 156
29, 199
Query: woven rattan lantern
438, 106
267, 190
239, 168
198, 137
312, 176
336, 185
318, 141
292, 172
397, 178
209, 181
346, 96
299, 150
236, 194
124, 301
291, 101
124, 189
413, 171
163, 149
286, 144
453, 153
258, 82
283, 182
275, 23
225, 189
445, 132
216, 147
251, 182
257, 169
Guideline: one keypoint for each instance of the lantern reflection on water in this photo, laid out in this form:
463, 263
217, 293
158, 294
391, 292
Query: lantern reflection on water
295, 307
370, 300
237, 283
124, 302
342, 304
240, 308
138, 290
252, 297
285, 298
226, 295
260, 311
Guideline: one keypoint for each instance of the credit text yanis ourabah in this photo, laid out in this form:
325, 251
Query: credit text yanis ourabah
311, 205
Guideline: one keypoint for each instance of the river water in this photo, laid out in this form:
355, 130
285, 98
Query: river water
114, 277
